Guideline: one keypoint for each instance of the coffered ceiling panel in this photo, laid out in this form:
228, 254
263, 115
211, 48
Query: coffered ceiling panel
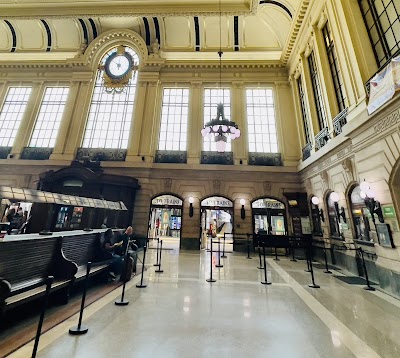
62, 27
5, 38
178, 33
251, 41
30, 35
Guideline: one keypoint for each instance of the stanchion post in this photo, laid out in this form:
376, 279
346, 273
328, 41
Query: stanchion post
211, 268
276, 254
307, 258
292, 249
223, 249
141, 285
260, 267
248, 247
265, 282
158, 243
79, 329
159, 267
313, 284
49, 282
123, 302
326, 261
219, 254
368, 287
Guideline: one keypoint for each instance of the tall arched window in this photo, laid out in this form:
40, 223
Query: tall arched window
110, 113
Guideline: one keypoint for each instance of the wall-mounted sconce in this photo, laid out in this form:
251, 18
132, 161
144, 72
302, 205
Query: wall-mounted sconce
242, 211
339, 213
374, 206
191, 200
315, 201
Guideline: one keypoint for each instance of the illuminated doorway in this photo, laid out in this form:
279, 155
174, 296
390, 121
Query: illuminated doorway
216, 221
165, 220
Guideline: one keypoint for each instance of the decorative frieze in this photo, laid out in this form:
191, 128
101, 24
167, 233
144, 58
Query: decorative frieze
390, 120
265, 159
100, 154
33, 153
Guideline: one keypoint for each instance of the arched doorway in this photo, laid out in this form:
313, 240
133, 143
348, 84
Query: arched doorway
269, 216
217, 220
165, 219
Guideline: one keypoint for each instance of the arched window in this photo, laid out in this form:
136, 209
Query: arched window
110, 113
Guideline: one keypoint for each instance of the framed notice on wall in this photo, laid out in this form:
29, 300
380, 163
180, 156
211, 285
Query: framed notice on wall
384, 235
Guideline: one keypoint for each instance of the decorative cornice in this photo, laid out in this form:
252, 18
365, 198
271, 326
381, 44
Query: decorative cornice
295, 29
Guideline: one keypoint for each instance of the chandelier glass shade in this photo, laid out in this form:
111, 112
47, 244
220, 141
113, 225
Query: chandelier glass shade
220, 128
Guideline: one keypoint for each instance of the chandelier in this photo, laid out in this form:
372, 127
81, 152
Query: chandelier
220, 127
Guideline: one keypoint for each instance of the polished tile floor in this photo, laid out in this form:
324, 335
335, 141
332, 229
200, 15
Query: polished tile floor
179, 314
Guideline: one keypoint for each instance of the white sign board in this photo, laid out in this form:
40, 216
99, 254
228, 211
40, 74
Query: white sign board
267, 204
217, 201
167, 200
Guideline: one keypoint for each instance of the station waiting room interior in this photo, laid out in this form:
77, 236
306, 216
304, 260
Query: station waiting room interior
252, 145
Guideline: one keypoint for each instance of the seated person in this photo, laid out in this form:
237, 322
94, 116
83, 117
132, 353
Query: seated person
129, 244
113, 247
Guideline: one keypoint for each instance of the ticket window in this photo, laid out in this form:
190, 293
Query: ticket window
269, 217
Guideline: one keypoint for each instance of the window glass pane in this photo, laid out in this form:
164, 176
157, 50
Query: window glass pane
319, 101
212, 97
261, 121
11, 114
173, 129
49, 117
110, 113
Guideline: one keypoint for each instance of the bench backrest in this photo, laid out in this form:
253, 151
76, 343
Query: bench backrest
24, 260
81, 249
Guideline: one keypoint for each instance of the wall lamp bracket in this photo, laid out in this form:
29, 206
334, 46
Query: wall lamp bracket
340, 213
191, 200
242, 211
374, 208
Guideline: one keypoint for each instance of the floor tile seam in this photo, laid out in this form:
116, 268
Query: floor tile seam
62, 328
201, 280
354, 343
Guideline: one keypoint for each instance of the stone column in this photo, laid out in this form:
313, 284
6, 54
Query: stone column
78, 123
195, 123
28, 120
66, 121
240, 146
288, 141
132, 154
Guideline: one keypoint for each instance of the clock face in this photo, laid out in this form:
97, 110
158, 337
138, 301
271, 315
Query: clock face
118, 65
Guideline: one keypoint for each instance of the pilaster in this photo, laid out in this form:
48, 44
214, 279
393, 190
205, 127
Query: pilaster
195, 122
240, 145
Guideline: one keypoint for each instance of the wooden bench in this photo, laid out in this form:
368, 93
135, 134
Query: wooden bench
82, 249
25, 265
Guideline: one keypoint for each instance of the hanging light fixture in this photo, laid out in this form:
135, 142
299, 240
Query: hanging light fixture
220, 127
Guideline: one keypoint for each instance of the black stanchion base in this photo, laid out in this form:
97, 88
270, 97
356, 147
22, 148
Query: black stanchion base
313, 285
369, 288
122, 303
293, 260
211, 280
266, 283
260, 268
249, 258
277, 259
327, 271
141, 286
307, 270
156, 265
78, 331
219, 266
159, 271
224, 256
